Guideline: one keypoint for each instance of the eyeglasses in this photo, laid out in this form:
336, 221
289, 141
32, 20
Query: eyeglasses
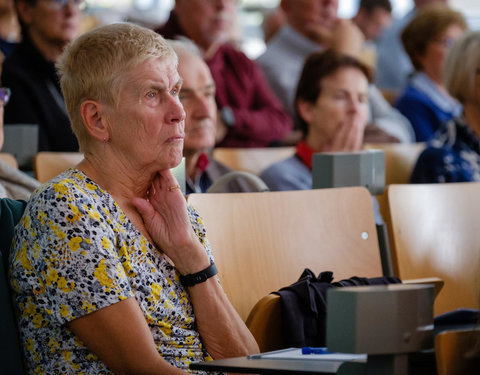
60, 4
4, 95
446, 42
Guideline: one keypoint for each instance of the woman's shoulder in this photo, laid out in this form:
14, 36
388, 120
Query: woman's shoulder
69, 187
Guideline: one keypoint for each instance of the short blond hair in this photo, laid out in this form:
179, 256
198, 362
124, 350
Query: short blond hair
460, 68
94, 65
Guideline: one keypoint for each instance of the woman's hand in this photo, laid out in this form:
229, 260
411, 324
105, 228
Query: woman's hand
166, 220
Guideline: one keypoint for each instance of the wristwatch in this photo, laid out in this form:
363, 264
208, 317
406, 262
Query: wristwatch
199, 277
227, 116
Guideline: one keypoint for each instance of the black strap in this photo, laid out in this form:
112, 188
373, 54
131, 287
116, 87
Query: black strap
199, 277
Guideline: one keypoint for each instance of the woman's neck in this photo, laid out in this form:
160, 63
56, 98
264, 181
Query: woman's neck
122, 182
314, 141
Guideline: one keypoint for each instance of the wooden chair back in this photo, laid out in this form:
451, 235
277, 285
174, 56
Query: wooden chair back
458, 352
49, 164
8, 159
263, 241
253, 160
435, 233
400, 159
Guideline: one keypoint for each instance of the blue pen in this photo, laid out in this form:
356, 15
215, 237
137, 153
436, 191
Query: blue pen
311, 350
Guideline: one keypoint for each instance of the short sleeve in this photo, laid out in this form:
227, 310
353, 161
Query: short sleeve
66, 252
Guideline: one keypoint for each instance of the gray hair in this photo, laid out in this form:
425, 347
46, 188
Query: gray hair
184, 46
461, 66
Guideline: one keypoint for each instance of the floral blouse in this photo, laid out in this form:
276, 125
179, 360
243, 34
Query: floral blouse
76, 252
453, 155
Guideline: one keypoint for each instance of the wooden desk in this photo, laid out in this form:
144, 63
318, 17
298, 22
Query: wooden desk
422, 363
269, 366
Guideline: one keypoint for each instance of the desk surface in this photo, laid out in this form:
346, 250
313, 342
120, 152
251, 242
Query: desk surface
268, 366
419, 364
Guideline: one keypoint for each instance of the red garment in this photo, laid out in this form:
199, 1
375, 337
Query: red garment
305, 153
259, 116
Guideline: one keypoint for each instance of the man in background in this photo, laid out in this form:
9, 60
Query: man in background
373, 16
249, 113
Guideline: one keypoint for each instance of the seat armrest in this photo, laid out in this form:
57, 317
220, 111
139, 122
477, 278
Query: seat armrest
436, 281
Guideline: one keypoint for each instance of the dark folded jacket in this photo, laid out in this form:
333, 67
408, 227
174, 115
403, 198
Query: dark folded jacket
304, 306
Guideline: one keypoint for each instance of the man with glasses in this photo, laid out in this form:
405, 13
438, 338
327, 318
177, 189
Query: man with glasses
47, 26
250, 115
13, 183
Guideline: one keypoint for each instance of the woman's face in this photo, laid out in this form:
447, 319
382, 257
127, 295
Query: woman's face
434, 56
146, 129
342, 104
52, 22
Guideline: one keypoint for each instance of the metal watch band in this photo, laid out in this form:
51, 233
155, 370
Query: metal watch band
199, 277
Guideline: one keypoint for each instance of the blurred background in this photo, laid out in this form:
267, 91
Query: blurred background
151, 13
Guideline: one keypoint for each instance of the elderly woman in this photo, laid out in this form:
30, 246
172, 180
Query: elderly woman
453, 155
332, 111
427, 39
110, 270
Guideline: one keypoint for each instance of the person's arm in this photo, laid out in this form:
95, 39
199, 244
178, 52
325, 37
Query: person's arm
344, 37
119, 335
387, 118
166, 219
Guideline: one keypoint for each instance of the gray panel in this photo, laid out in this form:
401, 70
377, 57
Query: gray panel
338, 169
21, 140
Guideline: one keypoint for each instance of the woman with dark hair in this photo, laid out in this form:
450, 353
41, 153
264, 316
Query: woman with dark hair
427, 39
453, 155
331, 106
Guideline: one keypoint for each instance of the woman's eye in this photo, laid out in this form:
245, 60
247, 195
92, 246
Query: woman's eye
151, 95
174, 92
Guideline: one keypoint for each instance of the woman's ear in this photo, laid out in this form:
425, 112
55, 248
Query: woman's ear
305, 110
93, 120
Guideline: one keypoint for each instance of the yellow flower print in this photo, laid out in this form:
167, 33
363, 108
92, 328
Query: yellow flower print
37, 320
64, 286
155, 292
74, 243
94, 215
60, 189
23, 258
29, 344
53, 345
106, 243
29, 310
51, 277
91, 187
166, 328
75, 215
64, 311
42, 216
102, 276
66, 355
